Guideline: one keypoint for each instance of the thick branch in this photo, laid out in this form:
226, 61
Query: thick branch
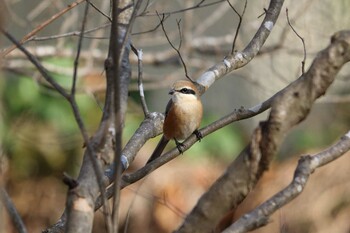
81, 200
306, 166
290, 107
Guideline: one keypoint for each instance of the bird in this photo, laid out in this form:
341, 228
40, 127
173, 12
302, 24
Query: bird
183, 116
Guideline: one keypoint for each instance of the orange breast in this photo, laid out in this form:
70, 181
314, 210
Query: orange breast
182, 120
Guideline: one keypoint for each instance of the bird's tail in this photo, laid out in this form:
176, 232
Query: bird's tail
159, 149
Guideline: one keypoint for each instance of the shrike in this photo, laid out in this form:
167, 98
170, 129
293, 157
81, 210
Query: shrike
183, 116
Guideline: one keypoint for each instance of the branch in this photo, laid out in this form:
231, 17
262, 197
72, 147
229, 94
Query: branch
11, 209
302, 41
236, 115
42, 26
240, 59
139, 55
289, 108
300, 12
197, 6
38, 65
149, 128
118, 73
161, 19
152, 29
76, 200
99, 11
71, 34
239, 23
306, 166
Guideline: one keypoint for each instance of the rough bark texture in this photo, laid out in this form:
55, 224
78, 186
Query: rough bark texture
289, 108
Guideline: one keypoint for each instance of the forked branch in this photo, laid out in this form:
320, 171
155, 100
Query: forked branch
172, 45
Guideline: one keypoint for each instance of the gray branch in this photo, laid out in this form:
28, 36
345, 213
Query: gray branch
307, 165
12, 211
289, 108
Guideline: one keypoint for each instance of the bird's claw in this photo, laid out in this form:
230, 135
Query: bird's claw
198, 134
180, 146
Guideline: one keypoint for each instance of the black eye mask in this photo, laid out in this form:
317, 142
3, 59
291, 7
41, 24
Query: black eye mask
187, 91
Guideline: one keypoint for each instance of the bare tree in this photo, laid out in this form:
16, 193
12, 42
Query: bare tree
102, 173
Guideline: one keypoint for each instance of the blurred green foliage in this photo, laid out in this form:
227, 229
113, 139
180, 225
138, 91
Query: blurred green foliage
39, 133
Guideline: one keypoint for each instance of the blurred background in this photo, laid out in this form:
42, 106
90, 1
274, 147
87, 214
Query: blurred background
40, 139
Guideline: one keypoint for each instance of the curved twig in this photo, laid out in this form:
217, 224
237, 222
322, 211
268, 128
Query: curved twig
302, 41
161, 19
239, 23
139, 54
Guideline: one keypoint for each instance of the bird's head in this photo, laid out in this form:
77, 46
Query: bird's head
184, 90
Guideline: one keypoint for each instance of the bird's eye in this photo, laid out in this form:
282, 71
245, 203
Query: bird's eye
184, 90
187, 91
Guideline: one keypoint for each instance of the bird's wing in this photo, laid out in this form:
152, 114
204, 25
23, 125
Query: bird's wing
168, 106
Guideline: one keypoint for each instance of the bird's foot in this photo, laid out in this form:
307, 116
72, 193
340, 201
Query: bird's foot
180, 146
198, 134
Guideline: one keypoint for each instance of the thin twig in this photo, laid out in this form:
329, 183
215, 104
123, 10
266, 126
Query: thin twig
80, 43
98, 10
302, 40
43, 71
197, 6
172, 45
239, 23
43, 25
139, 53
145, 8
126, 35
11, 209
262, 14
178, 21
68, 34
301, 11
200, 3
153, 29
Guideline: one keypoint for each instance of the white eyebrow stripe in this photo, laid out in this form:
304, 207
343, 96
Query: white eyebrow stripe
188, 87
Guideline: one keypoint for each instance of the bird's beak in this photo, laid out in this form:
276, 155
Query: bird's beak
172, 91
